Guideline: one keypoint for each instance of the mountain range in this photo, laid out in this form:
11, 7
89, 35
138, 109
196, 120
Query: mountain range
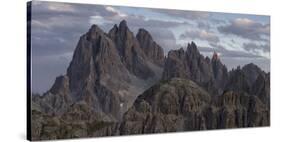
119, 84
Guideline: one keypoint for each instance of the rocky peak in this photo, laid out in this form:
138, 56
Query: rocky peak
123, 24
192, 49
61, 84
95, 73
115, 26
142, 33
113, 30
175, 65
95, 28
190, 64
81, 67
251, 68
219, 70
94, 32
261, 88
238, 81
252, 71
123, 38
130, 52
243, 78
152, 50
215, 56
122, 30
207, 59
57, 99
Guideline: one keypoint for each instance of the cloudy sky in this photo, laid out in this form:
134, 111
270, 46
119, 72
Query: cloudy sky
56, 27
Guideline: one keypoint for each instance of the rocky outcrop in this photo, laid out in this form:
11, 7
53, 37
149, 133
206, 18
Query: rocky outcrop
106, 74
152, 50
236, 110
244, 79
252, 72
175, 65
198, 66
181, 105
95, 64
190, 64
220, 73
57, 99
174, 105
261, 88
96, 59
130, 51
46, 127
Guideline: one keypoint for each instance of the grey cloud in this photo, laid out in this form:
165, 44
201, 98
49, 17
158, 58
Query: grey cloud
202, 35
203, 25
152, 23
135, 21
253, 47
165, 38
44, 9
56, 31
206, 49
231, 63
238, 54
246, 28
218, 21
54, 22
189, 15
232, 59
231, 53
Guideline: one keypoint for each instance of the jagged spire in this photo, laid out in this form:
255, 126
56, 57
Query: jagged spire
95, 28
192, 48
94, 32
123, 24
215, 56
115, 26
142, 33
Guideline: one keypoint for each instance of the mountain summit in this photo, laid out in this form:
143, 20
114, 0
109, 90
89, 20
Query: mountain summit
190, 64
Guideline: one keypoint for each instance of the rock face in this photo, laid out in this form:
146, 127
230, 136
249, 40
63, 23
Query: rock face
238, 110
181, 105
261, 88
107, 72
169, 106
152, 50
190, 64
220, 73
119, 84
252, 80
57, 99
211, 74
130, 51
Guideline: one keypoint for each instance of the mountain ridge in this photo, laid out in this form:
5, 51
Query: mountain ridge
111, 72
